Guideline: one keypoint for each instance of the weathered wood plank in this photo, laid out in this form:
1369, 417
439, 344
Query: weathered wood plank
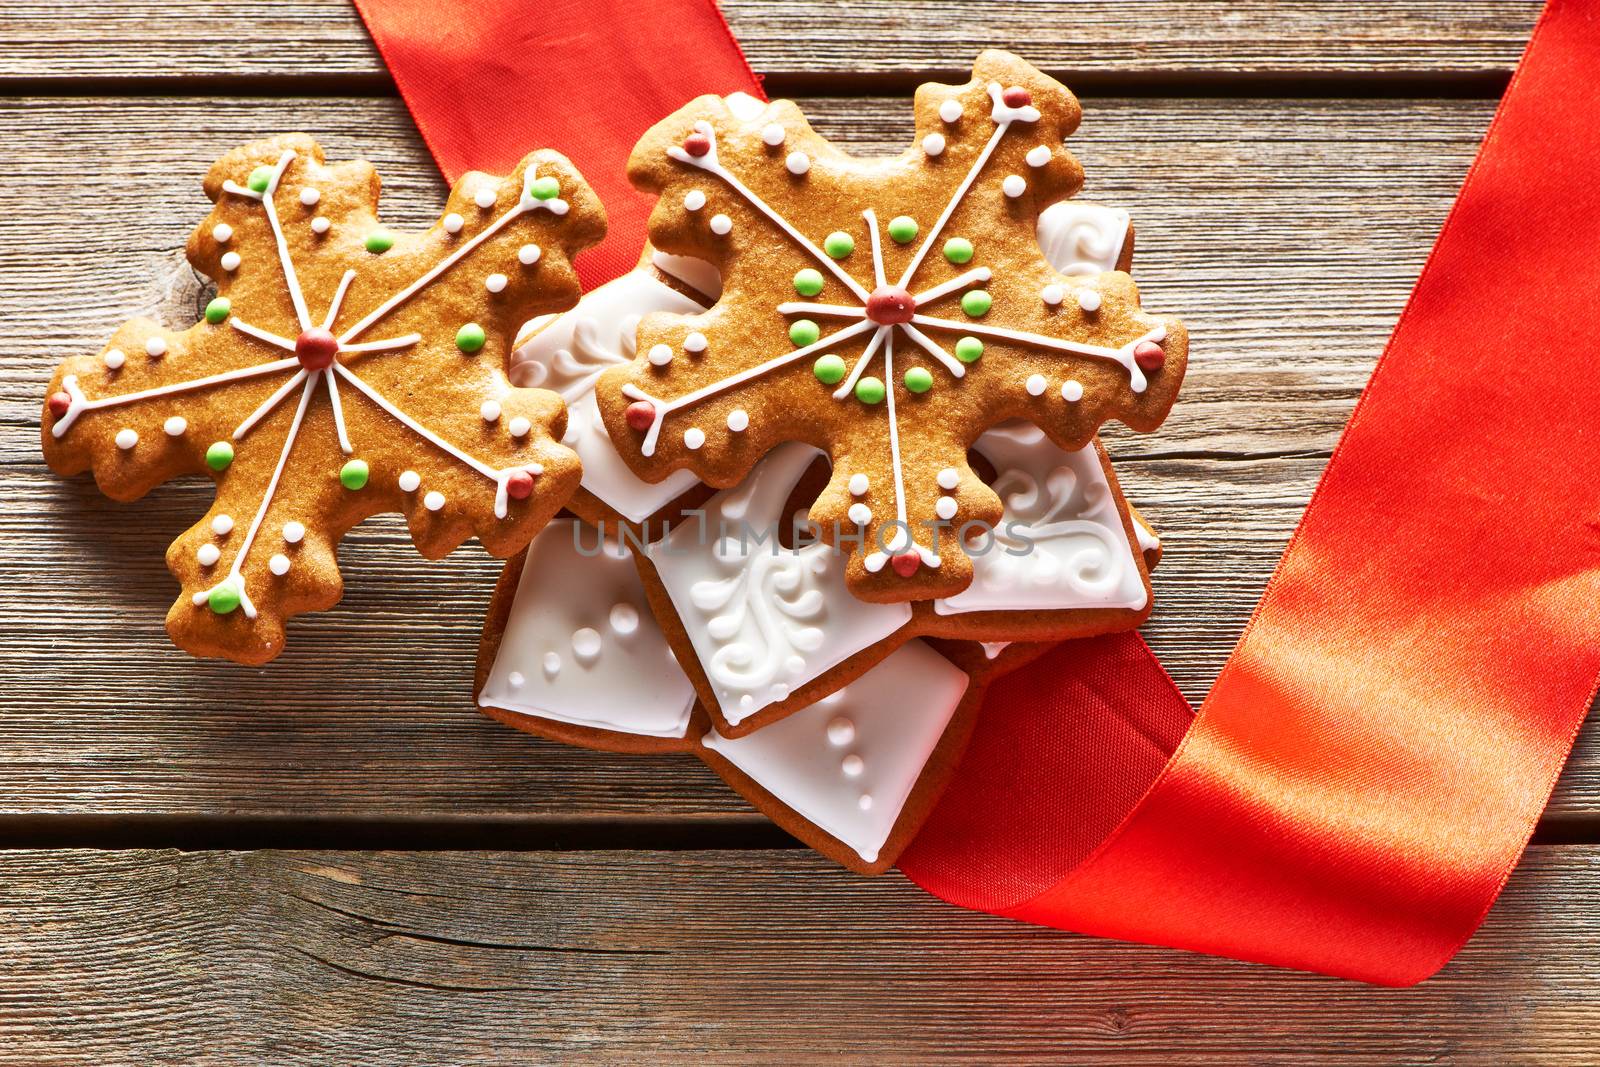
817, 42
696, 957
1287, 233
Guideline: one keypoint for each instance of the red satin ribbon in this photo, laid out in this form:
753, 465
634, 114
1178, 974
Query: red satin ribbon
1368, 768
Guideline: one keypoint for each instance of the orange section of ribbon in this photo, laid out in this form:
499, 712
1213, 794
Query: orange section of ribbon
1370, 764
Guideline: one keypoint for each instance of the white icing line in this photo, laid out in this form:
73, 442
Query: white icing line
415, 426
961, 281
260, 335
956, 368
709, 163
950, 208
664, 408
265, 197
80, 404
338, 301
849, 383
266, 502
843, 311
894, 436
381, 346
268, 404
1123, 355
877, 250
338, 413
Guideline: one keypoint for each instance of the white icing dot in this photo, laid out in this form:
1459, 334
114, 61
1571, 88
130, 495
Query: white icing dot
528, 255
950, 110
1038, 155
516, 680
1052, 294
1035, 384
695, 342
221, 233
738, 420
798, 162
778, 691
1072, 390
721, 224
320, 224
660, 355
841, 731
860, 514
586, 642
155, 348
453, 222
949, 478
115, 358
293, 532
207, 555
551, 664
278, 564
485, 196
1089, 299
694, 200
865, 803
409, 481
309, 196
933, 144
945, 507
772, 134
490, 410
222, 525
433, 501
175, 425
624, 619
852, 766
859, 485
693, 438
520, 427
230, 261
1014, 185
127, 438
795, 664
495, 282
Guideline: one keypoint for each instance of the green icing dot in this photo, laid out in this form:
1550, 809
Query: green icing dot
804, 332
260, 178
870, 391
976, 302
544, 188
902, 228
918, 380
471, 337
958, 250
219, 455
379, 241
353, 475
968, 349
828, 369
217, 310
808, 282
223, 599
839, 244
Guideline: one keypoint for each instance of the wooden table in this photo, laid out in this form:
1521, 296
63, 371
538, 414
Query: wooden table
336, 859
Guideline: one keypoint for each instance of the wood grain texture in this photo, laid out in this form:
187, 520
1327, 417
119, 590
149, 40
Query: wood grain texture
1286, 233
821, 44
216, 958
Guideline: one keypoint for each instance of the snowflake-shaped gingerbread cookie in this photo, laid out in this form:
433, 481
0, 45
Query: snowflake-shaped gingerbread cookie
341, 371
887, 311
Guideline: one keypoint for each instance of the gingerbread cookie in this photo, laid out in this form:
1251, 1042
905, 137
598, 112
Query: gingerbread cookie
885, 311
342, 370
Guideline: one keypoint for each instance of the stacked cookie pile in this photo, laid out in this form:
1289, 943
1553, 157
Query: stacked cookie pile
783, 557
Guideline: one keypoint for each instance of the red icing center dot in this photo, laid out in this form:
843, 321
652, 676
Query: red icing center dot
1017, 96
697, 144
316, 348
60, 403
906, 563
519, 485
890, 304
1149, 355
640, 415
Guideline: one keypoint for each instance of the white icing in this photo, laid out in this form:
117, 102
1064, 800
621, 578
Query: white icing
948, 478
490, 410
1038, 155
528, 254
631, 685
293, 532
738, 420
1072, 390
321, 224
693, 438
933, 144
950, 110
175, 426
945, 507
694, 200
485, 196
798, 163
697, 274
495, 283
519, 427
859, 484
763, 620
1088, 299
586, 644
660, 355
695, 342
127, 437
409, 481
155, 347
772, 134
222, 233
115, 358
1079, 238
567, 353
1014, 185
222, 525
309, 196
1052, 294
991, 649
433, 501
1080, 556
278, 564
897, 712
207, 555
231, 261
1036, 384
721, 225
